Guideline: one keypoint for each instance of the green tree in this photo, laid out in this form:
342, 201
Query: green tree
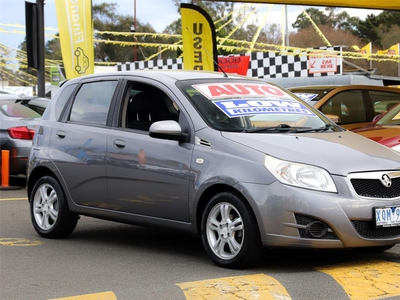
105, 19
302, 21
332, 18
374, 28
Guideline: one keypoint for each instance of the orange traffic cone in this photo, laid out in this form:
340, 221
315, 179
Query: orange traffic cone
5, 171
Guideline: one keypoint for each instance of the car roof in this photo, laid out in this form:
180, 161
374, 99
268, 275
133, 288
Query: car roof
343, 87
175, 75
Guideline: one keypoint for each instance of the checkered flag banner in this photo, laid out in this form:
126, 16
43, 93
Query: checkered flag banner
313, 62
158, 64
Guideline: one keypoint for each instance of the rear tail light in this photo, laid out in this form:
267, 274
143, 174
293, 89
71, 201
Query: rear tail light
21, 133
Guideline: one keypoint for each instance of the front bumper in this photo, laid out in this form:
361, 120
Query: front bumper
295, 217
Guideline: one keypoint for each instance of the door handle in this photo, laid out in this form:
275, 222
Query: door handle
61, 134
119, 143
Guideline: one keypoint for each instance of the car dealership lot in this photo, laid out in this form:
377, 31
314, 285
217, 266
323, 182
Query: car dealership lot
131, 262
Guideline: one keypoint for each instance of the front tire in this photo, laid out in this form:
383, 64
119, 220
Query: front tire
49, 210
229, 231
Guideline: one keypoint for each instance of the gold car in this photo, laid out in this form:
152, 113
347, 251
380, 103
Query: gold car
350, 106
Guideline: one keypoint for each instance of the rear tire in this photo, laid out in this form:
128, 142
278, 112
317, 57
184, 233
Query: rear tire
230, 232
49, 210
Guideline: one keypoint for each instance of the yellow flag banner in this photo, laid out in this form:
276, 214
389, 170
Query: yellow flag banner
394, 50
76, 36
365, 51
198, 39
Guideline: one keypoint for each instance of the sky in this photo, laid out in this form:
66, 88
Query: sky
159, 13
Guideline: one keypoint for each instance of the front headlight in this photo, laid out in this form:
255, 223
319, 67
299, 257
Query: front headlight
300, 175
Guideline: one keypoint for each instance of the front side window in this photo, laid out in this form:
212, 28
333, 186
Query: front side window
147, 104
92, 102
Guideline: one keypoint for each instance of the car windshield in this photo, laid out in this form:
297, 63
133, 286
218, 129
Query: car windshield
392, 117
23, 108
249, 106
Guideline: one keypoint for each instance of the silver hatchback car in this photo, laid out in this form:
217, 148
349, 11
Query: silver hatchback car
238, 161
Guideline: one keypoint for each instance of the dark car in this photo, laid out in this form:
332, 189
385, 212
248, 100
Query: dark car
351, 106
385, 129
18, 120
235, 160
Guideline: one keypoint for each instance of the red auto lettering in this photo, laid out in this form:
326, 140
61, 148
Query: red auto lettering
216, 90
237, 89
255, 88
272, 90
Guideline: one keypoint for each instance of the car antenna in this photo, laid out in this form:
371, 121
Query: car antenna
215, 62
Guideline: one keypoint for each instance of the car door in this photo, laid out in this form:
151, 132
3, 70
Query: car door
78, 145
147, 176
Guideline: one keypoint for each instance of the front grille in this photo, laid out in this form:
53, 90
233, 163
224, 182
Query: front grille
370, 185
368, 230
374, 188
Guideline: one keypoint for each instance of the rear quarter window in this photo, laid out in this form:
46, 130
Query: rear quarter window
62, 99
382, 101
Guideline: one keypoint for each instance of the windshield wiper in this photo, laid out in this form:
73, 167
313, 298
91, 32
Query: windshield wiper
279, 128
327, 127
288, 128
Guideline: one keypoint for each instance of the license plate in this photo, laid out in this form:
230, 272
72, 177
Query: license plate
387, 216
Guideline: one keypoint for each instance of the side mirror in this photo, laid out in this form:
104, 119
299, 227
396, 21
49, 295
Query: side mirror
169, 130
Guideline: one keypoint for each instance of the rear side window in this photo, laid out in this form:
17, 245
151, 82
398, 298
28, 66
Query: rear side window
382, 101
92, 102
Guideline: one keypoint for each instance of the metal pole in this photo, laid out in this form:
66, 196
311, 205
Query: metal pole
286, 28
40, 69
134, 21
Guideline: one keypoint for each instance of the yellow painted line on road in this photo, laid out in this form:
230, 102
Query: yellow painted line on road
366, 280
12, 199
258, 286
19, 242
97, 296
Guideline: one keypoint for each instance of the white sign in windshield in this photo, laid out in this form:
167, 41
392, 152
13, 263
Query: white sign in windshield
306, 96
242, 107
